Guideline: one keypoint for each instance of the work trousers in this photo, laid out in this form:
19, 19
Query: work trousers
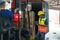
41, 36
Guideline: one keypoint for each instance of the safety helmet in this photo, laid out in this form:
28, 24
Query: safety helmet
40, 13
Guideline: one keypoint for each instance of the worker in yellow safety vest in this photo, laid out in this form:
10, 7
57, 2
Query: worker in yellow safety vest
42, 25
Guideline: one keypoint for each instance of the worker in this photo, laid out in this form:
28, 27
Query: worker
6, 17
16, 21
30, 16
16, 17
42, 25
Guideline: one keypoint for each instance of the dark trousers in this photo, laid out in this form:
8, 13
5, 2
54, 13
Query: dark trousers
5, 35
15, 33
24, 38
25, 34
41, 36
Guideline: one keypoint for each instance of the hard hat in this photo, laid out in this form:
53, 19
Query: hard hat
40, 13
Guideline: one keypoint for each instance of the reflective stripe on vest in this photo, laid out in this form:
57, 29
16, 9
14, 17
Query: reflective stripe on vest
42, 21
42, 28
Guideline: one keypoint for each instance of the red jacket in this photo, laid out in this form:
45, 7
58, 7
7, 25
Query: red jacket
16, 17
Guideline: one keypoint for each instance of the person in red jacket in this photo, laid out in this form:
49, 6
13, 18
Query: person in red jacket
16, 17
16, 21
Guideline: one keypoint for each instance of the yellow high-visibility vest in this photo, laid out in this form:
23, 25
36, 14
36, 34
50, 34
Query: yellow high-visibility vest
42, 21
